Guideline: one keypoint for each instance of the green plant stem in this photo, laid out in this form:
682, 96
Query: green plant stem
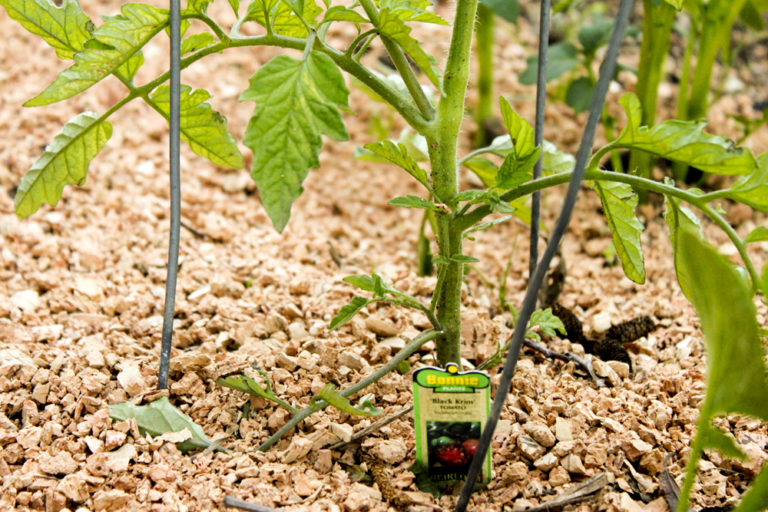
637, 182
658, 19
484, 45
442, 143
319, 405
401, 64
223, 37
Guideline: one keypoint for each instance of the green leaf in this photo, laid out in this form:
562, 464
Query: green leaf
411, 201
363, 282
245, 384
515, 171
64, 162
596, 34
717, 439
333, 397
204, 129
394, 28
561, 58
683, 141
677, 4
579, 94
65, 27
463, 258
759, 234
341, 13
680, 219
298, 102
520, 131
119, 39
412, 10
160, 417
751, 16
235, 4
398, 154
198, 5
196, 42
129, 68
547, 322
282, 15
508, 10
753, 188
619, 203
346, 313
556, 161
736, 372
756, 497
484, 169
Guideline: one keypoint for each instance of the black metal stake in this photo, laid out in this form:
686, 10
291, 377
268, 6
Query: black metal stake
607, 70
173, 244
538, 127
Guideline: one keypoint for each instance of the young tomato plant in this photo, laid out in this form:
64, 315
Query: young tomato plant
300, 99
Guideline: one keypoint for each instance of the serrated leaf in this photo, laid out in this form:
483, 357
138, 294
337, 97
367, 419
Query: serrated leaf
65, 27
198, 5
298, 102
413, 10
547, 322
346, 313
160, 417
398, 154
753, 188
64, 162
683, 141
129, 68
520, 130
508, 10
333, 397
196, 42
561, 58
759, 234
282, 15
411, 201
341, 13
235, 4
619, 203
723, 302
121, 37
394, 28
514, 171
204, 129
680, 218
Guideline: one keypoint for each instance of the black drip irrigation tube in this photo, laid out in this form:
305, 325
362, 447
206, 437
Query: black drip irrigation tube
173, 244
607, 70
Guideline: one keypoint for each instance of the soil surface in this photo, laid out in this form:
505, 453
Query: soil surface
82, 288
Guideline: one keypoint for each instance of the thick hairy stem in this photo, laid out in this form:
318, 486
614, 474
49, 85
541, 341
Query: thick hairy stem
442, 155
484, 110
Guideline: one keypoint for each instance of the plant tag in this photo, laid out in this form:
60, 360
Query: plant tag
450, 411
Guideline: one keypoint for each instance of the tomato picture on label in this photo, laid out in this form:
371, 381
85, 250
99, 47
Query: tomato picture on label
452, 444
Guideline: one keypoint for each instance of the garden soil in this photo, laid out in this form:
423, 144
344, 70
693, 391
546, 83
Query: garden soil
82, 288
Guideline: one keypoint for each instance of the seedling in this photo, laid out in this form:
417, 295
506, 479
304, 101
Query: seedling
300, 99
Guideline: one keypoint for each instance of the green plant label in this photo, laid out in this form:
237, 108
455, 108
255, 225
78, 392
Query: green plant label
450, 411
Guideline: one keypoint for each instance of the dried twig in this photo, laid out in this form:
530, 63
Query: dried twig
373, 427
199, 234
569, 357
578, 493
229, 501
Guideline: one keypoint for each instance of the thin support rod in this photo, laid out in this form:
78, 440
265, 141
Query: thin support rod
173, 244
529, 303
541, 102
